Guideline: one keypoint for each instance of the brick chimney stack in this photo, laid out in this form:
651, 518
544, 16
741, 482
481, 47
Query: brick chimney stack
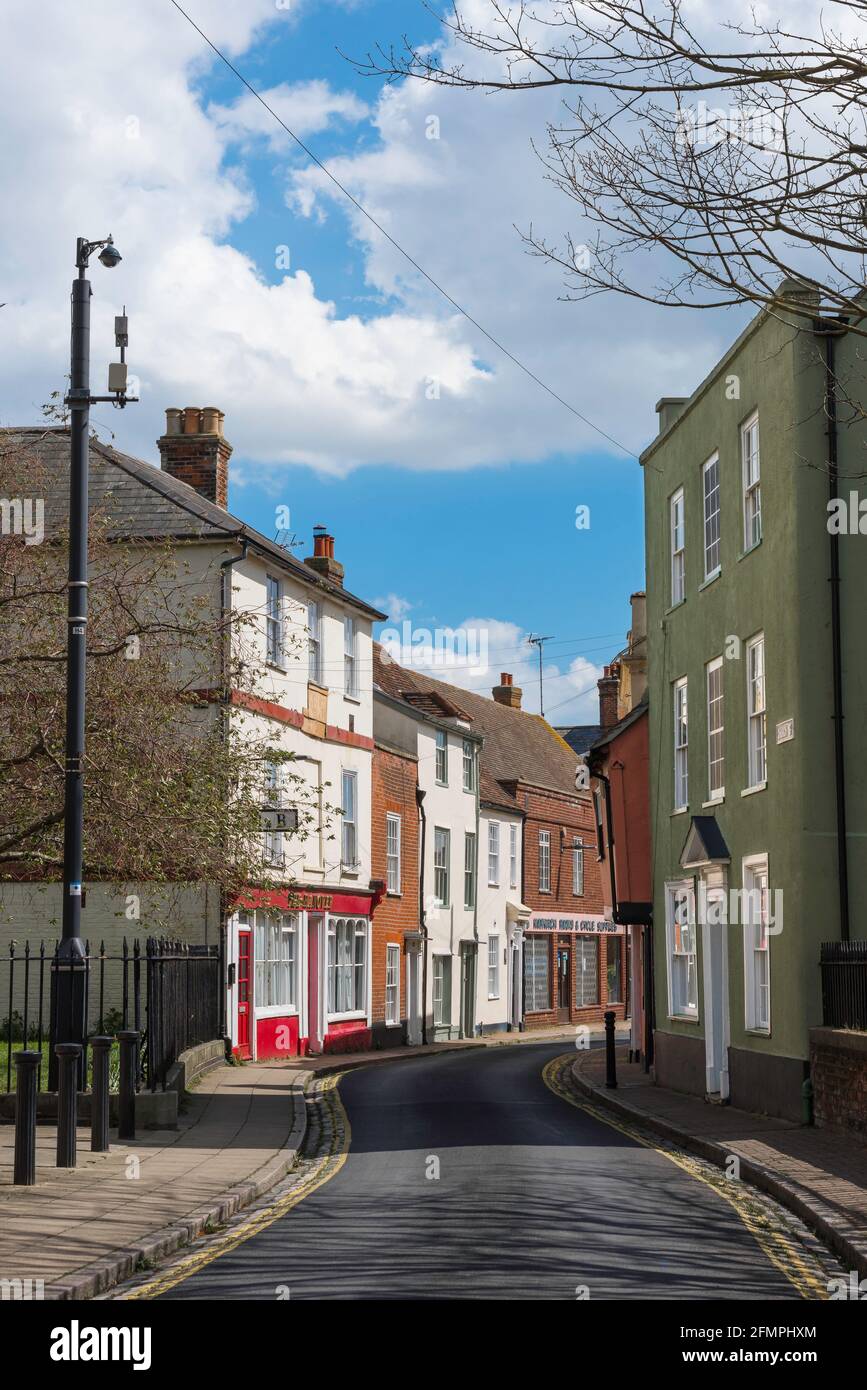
506, 693
322, 560
608, 684
194, 451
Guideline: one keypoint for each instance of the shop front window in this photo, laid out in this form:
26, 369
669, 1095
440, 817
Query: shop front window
276, 954
347, 965
615, 969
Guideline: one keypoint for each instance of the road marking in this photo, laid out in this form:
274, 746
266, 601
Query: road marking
323, 1172
776, 1246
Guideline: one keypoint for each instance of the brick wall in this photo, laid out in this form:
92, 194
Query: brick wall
573, 816
838, 1068
395, 779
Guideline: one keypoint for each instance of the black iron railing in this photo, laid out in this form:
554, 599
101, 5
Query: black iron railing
167, 991
844, 984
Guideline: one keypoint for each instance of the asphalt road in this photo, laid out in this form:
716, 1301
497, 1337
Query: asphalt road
534, 1199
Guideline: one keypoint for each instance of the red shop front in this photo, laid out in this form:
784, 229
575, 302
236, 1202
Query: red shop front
299, 979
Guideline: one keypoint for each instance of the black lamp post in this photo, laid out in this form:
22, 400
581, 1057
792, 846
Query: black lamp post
69, 1008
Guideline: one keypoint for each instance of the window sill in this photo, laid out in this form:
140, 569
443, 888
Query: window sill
275, 666
750, 550
277, 1011
714, 801
358, 1016
711, 579
751, 791
353, 699
395, 894
683, 1018
758, 1032
673, 607
350, 871
681, 811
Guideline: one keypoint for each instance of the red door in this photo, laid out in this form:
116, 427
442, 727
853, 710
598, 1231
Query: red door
245, 951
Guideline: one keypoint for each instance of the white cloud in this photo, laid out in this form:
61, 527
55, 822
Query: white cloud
475, 652
305, 107
395, 606
114, 136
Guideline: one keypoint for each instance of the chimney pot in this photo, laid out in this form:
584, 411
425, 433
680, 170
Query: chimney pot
322, 560
194, 450
507, 693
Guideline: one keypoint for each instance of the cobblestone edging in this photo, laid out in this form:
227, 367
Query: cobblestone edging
103, 1274
848, 1242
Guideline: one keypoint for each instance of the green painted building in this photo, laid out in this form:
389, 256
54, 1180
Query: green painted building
748, 787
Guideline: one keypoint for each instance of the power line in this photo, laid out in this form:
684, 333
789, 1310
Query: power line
397, 246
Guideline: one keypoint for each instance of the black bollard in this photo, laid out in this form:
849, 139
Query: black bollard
68, 1059
128, 1040
99, 1095
27, 1066
610, 1059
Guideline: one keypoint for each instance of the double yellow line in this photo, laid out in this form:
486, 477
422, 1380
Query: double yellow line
778, 1247
328, 1168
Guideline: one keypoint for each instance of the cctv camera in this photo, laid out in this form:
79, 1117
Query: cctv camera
110, 256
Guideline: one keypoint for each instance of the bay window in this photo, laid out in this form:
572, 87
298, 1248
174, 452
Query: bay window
347, 965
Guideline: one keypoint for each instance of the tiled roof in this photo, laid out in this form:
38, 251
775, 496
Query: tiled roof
142, 501
518, 747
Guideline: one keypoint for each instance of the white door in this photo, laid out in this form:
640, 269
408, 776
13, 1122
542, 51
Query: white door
413, 995
316, 966
715, 992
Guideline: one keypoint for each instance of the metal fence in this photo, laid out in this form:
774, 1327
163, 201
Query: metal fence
168, 991
844, 984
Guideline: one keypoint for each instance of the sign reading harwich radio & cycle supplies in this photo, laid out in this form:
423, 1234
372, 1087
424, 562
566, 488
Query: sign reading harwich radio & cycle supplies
584, 926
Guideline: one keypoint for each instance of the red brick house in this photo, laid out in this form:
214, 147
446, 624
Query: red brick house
396, 960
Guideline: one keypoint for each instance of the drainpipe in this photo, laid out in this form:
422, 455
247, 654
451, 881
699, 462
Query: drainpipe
836, 642
422, 915
225, 698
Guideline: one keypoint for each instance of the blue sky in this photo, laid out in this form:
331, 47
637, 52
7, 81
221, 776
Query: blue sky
488, 541
353, 393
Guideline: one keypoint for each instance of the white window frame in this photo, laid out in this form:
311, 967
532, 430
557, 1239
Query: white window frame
677, 545
442, 758
442, 865
275, 964
392, 984
442, 989
712, 510
751, 473
469, 869
537, 947
493, 854
513, 856
493, 967
545, 859
355, 929
314, 642
275, 653
349, 822
757, 953
275, 796
681, 955
680, 710
350, 657
393, 854
577, 868
757, 722
469, 765
715, 729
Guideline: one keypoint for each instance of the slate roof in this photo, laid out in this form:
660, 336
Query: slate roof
517, 747
579, 736
143, 502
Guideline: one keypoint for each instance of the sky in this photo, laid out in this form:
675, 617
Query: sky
355, 394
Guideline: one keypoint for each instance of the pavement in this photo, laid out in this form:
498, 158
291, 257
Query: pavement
478, 1175
816, 1173
522, 1172
80, 1231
